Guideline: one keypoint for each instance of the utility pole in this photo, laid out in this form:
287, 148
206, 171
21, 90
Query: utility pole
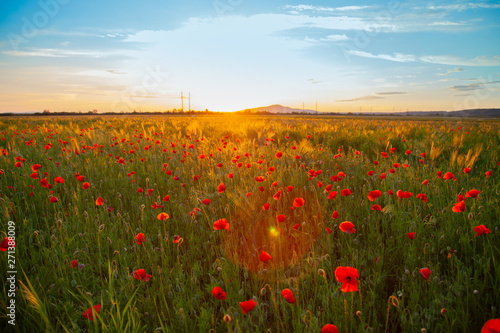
189, 101
182, 102
302, 106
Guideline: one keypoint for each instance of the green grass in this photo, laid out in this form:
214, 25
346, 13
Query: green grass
392, 295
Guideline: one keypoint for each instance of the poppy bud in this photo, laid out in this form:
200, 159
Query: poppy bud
476, 292
358, 313
443, 311
470, 216
227, 318
263, 291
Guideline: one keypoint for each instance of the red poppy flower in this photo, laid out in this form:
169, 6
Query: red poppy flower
335, 215
280, 218
43, 182
448, 175
18, 164
370, 173
99, 201
382, 176
140, 238
162, 216
221, 188
288, 296
347, 276
73, 264
374, 195
425, 182
488, 173
329, 328
219, 293
35, 167
392, 171
422, 197
481, 230
408, 152
472, 194
376, 207
205, 201
403, 195
345, 192
89, 314
439, 173
459, 207
425, 272
264, 256
140, 274
279, 154
265, 206
347, 227
247, 306
221, 224
296, 226
85, 185
34, 175
230, 175
59, 180
384, 154
328, 230
277, 196
298, 202
467, 170
289, 188
332, 195
80, 178
4, 246
411, 235
491, 326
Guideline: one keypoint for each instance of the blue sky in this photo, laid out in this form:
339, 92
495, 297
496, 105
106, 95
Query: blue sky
71, 55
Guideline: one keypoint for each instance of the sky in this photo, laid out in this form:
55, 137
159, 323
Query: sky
228, 55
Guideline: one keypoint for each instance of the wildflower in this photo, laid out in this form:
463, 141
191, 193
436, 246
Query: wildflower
89, 314
425, 272
374, 195
162, 216
347, 276
99, 201
221, 224
280, 218
219, 293
298, 202
140, 274
140, 238
264, 256
247, 306
6, 243
288, 295
221, 188
481, 230
411, 235
459, 207
347, 227
329, 328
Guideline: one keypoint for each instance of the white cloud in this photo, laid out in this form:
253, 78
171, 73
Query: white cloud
397, 57
456, 61
53, 53
454, 70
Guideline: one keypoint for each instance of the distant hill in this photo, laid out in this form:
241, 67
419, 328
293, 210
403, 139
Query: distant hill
276, 108
480, 113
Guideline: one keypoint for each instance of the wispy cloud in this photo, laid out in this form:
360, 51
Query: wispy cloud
456, 61
53, 53
391, 93
301, 8
356, 99
454, 70
397, 57
473, 86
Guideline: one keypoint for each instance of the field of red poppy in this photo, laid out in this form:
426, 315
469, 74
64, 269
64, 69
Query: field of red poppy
257, 224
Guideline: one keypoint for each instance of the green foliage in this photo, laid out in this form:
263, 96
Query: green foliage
392, 295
